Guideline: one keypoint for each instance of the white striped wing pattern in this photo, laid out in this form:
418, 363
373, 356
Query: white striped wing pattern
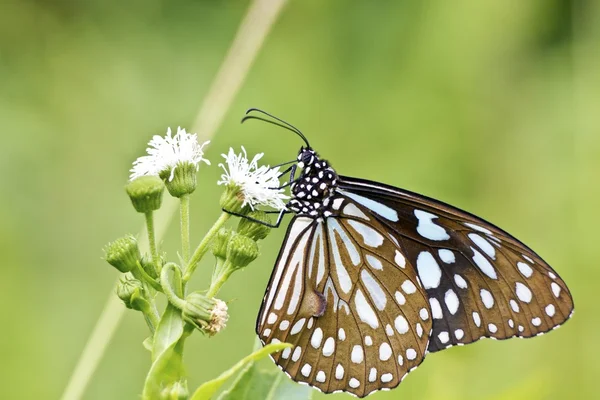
346, 297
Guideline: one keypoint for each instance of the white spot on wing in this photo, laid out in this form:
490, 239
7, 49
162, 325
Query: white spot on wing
329, 347
357, 356
428, 229
374, 262
523, 292
364, 310
408, 287
375, 291
478, 228
460, 281
401, 324
316, 338
339, 372
444, 337
298, 326
429, 270
483, 264
385, 351
436, 309
354, 211
476, 319
555, 289
400, 299
451, 300
306, 370
370, 236
378, 208
411, 354
486, 298
340, 269
320, 376
447, 256
483, 245
525, 269
399, 259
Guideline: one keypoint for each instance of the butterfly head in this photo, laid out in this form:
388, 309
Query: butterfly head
314, 187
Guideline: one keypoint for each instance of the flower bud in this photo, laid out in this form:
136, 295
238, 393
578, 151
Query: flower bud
241, 250
123, 253
207, 314
130, 290
175, 391
253, 229
148, 266
181, 180
219, 245
232, 200
146, 193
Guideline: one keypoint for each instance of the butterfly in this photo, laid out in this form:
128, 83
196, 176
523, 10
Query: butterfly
371, 278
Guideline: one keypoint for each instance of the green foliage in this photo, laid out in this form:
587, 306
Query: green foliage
255, 383
250, 381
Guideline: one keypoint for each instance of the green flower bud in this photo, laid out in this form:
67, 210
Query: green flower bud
148, 266
130, 290
146, 193
219, 245
123, 253
207, 314
181, 180
241, 250
232, 200
175, 391
252, 229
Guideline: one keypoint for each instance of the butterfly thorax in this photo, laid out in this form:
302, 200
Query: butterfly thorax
315, 186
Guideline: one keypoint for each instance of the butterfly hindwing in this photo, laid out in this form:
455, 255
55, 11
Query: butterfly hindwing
481, 281
350, 302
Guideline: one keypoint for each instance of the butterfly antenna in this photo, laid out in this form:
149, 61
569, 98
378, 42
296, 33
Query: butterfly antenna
282, 124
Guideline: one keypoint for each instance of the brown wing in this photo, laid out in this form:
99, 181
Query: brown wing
481, 281
344, 294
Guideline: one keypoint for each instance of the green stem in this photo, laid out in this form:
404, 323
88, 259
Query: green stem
218, 281
152, 241
185, 227
203, 246
167, 285
151, 317
142, 275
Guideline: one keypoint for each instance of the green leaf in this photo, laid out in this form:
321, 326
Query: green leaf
208, 389
167, 354
255, 383
169, 331
166, 370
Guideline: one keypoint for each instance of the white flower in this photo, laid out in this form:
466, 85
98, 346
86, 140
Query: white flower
166, 153
259, 185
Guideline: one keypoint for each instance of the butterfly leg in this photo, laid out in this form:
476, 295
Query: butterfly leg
275, 225
292, 179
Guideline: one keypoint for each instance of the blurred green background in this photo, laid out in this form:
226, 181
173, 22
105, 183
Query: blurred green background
492, 106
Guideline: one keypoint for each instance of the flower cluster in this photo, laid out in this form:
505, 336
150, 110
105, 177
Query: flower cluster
258, 184
172, 163
168, 152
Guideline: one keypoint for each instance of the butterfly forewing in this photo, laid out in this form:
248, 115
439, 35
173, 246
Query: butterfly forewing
350, 302
481, 281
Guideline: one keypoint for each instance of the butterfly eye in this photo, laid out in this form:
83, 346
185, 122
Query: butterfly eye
307, 158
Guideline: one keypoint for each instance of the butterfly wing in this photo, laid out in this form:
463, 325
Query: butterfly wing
349, 301
481, 281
